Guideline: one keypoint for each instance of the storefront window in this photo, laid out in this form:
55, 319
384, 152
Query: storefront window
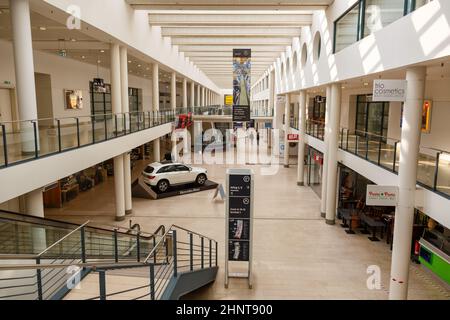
371, 117
314, 172
346, 29
380, 13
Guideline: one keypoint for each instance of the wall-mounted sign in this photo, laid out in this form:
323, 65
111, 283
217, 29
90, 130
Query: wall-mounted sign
281, 99
381, 195
292, 137
241, 76
239, 215
389, 90
73, 99
228, 100
98, 85
426, 116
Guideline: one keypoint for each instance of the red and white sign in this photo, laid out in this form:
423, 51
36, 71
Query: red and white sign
318, 158
292, 137
381, 195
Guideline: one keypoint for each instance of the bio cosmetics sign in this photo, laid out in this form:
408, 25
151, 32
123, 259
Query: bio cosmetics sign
389, 90
381, 195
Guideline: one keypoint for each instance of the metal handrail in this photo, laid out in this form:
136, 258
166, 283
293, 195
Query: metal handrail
193, 232
63, 238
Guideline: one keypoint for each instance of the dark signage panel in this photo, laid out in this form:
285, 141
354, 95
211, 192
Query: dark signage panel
239, 229
241, 113
239, 207
238, 250
239, 186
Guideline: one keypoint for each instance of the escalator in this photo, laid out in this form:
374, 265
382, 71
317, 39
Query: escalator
45, 259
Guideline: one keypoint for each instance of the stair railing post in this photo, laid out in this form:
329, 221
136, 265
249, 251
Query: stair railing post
174, 252
116, 249
210, 252
152, 282
138, 247
83, 245
216, 253
155, 251
102, 284
39, 279
191, 252
203, 252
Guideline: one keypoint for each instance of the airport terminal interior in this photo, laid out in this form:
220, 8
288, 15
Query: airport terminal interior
224, 150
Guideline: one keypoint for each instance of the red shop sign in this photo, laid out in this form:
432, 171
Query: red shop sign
292, 137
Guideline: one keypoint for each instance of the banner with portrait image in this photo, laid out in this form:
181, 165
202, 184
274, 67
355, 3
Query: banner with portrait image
241, 84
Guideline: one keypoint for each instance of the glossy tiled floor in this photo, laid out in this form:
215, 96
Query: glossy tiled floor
296, 255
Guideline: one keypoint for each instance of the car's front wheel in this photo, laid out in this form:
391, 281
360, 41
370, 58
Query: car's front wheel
163, 185
201, 179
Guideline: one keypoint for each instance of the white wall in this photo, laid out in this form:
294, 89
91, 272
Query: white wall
67, 73
119, 22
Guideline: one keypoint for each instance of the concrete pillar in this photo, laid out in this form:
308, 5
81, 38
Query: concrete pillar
155, 98
192, 100
198, 100
173, 91
116, 97
119, 188
125, 109
34, 203
287, 119
323, 199
185, 95
409, 152
203, 96
333, 140
271, 91
24, 69
301, 139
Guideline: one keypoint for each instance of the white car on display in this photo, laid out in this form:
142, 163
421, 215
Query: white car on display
164, 175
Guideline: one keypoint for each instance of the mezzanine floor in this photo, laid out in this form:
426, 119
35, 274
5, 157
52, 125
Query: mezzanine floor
296, 255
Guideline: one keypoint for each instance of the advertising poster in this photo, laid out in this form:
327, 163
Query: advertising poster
241, 84
238, 250
74, 99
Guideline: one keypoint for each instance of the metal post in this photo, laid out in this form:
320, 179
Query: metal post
216, 253
39, 279
174, 252
93, 128
356, 143
379, 151
346, 146
210, 252
59, 134
155, 252
138, 247
395, 156
436, 171
5, 146
203, 249
116, 249
152, 282
367, 146
36, 151
83, 246
129, 121
106, 128
191, 252
78, 131
115, 124
102, 284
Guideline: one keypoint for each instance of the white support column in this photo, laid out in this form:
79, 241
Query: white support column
407, 173
125, 109
198, 100
34, 203
271, 92
333, 145
323, 199
155, 96
192, 100
173, 105
287, 119
203, 96
24, 69
185, 95
116, 104
301, 139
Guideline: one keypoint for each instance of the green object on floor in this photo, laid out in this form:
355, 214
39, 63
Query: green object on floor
435, 263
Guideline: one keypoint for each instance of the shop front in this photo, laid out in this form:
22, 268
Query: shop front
314, 170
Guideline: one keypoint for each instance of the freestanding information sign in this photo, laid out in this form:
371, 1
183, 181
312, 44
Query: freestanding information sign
239, 222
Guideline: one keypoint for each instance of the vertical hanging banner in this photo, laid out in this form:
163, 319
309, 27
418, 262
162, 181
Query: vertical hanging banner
241, 84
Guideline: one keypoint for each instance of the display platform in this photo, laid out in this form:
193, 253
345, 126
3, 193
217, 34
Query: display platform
140, 189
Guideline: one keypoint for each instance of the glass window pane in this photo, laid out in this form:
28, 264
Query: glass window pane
380, 13
347, 29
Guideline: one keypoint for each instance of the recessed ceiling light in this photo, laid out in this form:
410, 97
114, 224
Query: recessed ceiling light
42, 28
73, 39
102, 51
139, 65
366, 84
147, 68
129, 61
83, 57
99, 61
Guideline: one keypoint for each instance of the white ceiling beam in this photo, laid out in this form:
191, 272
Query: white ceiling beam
209, 41
229, 49
231, 31
201, 54
236, 19
229, 4
69, 45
